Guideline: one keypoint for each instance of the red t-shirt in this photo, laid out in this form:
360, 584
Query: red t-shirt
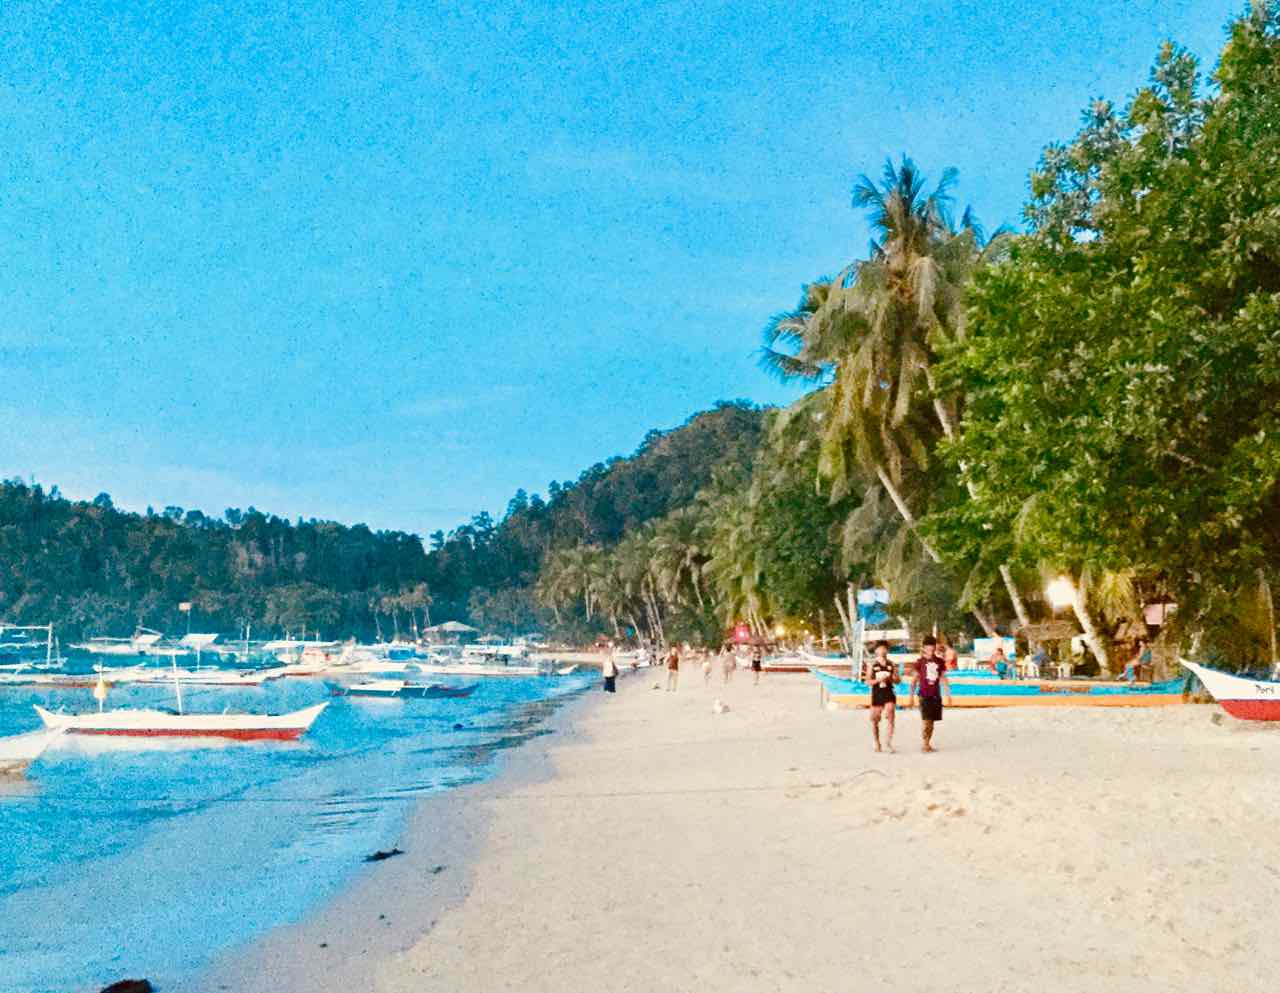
929, 673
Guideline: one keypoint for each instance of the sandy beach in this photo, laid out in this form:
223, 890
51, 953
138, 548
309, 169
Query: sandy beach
647, 844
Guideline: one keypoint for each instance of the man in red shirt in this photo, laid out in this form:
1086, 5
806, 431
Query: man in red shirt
929, 677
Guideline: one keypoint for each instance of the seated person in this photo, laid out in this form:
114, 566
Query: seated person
1000, 662
1141, 658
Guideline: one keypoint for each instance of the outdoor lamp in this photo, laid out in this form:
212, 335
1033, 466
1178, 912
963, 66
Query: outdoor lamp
1060, 593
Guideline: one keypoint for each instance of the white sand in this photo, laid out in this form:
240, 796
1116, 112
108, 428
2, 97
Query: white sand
650, 845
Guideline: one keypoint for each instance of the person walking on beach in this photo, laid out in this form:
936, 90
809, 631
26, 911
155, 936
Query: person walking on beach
706, 667
610, 672
882, 675
928, 679
757, 664
673, 668
728, 662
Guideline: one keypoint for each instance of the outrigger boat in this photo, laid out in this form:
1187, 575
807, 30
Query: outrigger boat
399, 689
844, 692
169, 724
1247, 699
480, 669
20, 750
152, 723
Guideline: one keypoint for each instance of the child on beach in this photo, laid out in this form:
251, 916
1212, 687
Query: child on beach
673, 668
882, 675
706, 668
728, 663
928, 678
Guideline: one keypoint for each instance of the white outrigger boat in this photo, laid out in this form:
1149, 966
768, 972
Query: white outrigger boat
20, 750
151, 723
204, 677
1247, 699
168, 724
480, 669
143, 642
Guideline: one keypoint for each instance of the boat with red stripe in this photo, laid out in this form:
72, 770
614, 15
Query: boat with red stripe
1247, 699
168, 724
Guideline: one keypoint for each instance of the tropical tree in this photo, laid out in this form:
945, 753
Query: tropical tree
1120, 366
876, 330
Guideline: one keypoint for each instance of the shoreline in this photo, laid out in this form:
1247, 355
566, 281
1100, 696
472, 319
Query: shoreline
388, 905
651, 845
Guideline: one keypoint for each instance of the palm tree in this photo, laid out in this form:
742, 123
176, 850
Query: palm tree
876, 330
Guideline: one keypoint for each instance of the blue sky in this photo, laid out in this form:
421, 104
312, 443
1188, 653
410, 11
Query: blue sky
387, 262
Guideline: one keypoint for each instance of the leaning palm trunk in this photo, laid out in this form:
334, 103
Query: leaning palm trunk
1092, 636
949, 429
1019, 607
845, 624
909, 518
905, 511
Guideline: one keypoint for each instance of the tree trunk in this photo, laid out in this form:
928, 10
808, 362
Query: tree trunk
1264, 591
1092, 636
985, 622
905, 511
844, 623
949, 430
635, 626
1019, 607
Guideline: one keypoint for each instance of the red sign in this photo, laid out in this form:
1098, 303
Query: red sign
741, 633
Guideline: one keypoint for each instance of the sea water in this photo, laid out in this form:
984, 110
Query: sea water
144, 859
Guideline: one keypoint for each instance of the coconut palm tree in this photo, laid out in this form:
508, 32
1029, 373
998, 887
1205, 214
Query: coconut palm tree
876, 328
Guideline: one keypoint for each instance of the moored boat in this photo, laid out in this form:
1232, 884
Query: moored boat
167, 724
399, 689
20, 750
995, 693
1247, 699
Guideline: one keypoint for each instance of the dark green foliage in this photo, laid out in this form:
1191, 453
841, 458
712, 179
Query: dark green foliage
93, 569
97, 570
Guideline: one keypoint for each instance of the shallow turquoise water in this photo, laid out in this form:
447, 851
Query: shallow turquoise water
121, 861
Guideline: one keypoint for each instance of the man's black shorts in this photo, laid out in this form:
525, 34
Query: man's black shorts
930, 708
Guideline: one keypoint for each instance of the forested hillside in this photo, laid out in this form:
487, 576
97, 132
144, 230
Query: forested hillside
95, 569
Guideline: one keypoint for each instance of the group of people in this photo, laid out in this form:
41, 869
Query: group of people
928, 681
727, 658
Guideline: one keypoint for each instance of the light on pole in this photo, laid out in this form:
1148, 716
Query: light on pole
1061, 593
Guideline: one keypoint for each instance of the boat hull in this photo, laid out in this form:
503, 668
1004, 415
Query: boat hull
160, 724
19, 751
232, 734
847, 693
1246, 699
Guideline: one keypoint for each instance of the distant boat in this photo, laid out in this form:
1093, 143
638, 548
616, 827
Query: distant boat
1247, 699
204, 677
398, 688
168, 724
142, 643
20, 750
21, 651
